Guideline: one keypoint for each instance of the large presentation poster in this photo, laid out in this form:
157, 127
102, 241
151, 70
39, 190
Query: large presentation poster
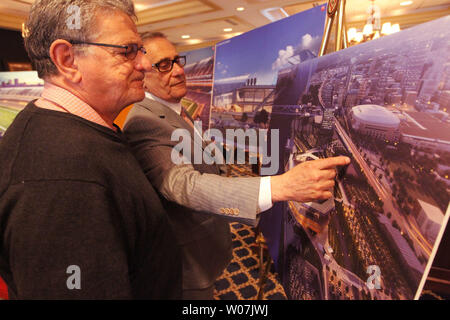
245, 80
385, 104
247, 66
199, 78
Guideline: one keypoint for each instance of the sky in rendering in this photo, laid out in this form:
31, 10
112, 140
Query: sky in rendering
262, 52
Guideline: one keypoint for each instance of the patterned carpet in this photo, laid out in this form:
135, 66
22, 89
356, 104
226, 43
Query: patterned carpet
241, 279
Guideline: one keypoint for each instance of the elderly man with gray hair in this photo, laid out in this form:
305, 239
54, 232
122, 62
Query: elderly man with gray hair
78, 218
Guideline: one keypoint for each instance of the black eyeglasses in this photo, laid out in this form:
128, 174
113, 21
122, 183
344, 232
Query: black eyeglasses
131, 50
167, 64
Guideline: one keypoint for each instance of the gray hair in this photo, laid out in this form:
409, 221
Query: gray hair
48, 21
146, 36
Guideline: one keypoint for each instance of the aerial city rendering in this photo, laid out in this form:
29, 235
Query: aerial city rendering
385, 104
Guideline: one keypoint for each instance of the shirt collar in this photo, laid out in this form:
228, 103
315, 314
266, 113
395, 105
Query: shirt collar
175, 106
56, 98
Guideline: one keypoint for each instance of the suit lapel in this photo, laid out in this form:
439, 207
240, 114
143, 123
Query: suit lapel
171, 117
163, 112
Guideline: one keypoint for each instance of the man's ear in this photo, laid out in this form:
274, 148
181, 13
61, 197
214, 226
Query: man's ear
62, 55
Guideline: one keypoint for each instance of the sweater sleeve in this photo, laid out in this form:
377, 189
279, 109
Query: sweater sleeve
64, 242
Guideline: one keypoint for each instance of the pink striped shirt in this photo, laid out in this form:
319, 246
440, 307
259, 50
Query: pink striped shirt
59, 99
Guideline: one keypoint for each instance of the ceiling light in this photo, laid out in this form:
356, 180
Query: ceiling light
406, 3
368, 29
274, 14
228, 29
386, 28
139, 7
351, 34
25, 31
395, 28
359, 37
185, 36
193, 41
240, 8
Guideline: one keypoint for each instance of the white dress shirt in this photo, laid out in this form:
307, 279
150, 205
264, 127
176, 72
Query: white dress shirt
265, 193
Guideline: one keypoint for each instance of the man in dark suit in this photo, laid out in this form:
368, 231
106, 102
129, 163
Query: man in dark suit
196, 197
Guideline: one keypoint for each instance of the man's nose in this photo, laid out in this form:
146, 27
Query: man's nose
177, 69
143, 62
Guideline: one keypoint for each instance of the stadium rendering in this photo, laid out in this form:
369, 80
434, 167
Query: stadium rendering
375, 121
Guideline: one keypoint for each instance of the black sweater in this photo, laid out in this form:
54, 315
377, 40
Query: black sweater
71, 193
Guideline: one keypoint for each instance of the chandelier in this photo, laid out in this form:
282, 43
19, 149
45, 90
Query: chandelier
372, 29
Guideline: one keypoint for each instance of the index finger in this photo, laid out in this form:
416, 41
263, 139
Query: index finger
332, 162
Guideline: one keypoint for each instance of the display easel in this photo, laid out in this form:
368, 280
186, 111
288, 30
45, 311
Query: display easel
263, 269
335, 8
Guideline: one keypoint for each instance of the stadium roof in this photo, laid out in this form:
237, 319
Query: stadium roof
376, 115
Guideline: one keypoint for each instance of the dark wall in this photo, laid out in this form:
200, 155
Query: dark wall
11, 48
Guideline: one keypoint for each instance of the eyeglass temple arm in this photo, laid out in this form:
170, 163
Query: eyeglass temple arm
98, 44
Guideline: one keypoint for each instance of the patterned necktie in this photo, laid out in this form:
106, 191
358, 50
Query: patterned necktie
187, 117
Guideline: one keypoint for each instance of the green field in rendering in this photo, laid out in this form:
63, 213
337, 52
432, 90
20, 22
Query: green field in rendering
7, 116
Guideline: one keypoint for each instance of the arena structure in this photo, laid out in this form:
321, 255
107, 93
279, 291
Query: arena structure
375, 121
